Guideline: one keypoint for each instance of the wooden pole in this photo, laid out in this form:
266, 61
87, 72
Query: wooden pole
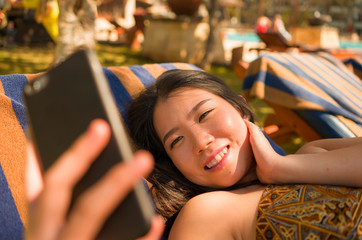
294, 14
261, 8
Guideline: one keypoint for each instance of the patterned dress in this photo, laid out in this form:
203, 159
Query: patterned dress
310, 212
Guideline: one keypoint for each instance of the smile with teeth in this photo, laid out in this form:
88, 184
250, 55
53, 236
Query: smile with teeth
217, 158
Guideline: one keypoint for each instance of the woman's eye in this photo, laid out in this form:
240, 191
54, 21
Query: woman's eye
204, 115
175, 141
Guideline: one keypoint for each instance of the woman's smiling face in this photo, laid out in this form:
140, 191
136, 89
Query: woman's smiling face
205, 136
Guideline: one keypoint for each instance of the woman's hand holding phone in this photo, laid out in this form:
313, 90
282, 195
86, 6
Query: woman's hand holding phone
49, 195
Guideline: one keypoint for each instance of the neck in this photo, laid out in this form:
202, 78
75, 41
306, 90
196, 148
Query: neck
250, 175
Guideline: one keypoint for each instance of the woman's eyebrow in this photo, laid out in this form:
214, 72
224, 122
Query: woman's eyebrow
196, 107
168, 134
188, 116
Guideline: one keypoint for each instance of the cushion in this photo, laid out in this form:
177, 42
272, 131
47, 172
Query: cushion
308, 84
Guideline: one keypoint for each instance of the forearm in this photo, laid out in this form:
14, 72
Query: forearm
341, 166
328, 145
329, 161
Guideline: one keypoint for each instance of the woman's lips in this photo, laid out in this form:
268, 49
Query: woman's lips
210, 163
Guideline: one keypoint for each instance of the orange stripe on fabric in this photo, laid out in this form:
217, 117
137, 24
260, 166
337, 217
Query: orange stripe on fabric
321, 66
357, 130
12, 154
154, 69
340, 84
32, 77
278, 70
342, 70
255, 66
318, 70
185, 66
296, 79
129, 80
280, 97
352, 94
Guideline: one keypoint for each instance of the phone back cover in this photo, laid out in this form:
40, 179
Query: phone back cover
66, 100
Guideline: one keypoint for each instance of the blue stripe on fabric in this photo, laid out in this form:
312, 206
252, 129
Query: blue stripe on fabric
13, 86
354, 63
276, 148
338, 63
334, 91
11, 226
345, 75
143, 75
251, 79
326, 124
327, 87
119, 92
168, 66
290, 88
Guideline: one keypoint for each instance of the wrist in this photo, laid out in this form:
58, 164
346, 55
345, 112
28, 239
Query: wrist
283, 170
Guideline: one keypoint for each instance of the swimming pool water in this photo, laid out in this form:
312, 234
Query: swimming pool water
252, 37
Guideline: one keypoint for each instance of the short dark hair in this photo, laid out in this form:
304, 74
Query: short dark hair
170, 189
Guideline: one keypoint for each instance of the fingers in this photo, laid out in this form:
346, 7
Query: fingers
259, 143
33, 176
95, 207
48, 216
156, 230
268, 161
256, 135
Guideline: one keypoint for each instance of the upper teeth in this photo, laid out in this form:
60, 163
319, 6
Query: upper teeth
217, 158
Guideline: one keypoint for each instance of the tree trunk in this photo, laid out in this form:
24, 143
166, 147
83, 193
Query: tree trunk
76, 27
213, 22
261, 8
295, 13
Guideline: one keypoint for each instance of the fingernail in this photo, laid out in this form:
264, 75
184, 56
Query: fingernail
96, 128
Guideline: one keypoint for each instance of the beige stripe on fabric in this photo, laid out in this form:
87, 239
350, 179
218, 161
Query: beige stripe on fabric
298, 80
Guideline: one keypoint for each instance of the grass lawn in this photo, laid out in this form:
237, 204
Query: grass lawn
22, 59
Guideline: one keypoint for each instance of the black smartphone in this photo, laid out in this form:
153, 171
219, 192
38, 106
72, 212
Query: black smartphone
60, 105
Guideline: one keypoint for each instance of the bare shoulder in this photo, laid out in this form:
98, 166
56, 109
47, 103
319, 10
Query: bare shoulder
216, 215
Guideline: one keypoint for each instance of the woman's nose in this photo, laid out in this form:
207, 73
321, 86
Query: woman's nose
202, 140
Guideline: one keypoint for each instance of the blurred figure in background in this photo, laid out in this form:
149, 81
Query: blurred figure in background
278, 27
263, 25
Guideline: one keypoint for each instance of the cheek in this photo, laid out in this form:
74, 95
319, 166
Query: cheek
232, 125
179, 159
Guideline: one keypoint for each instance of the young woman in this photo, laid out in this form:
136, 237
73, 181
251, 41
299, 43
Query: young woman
211, 168
213, 164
